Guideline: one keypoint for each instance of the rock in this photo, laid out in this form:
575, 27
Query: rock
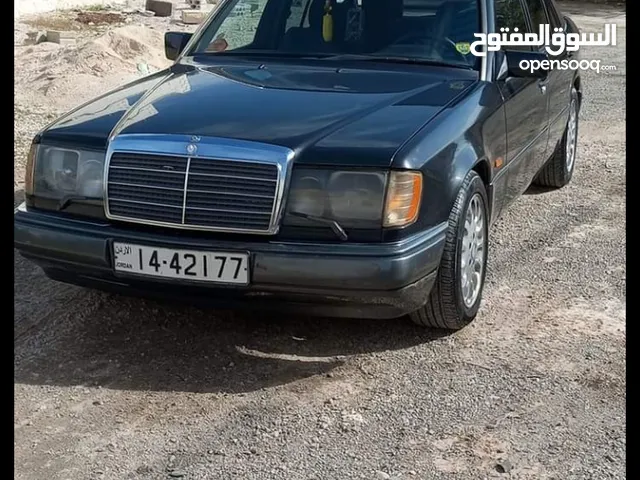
144, 470
503, 466
177, 474
382, 475
34, 38
352, 421
143, 68
98, 402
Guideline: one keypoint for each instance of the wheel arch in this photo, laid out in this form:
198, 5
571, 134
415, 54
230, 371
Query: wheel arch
577, 84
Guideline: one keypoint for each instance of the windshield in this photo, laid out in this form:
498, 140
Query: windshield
438, 31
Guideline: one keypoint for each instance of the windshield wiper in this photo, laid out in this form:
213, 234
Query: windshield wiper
335, 226
397, 59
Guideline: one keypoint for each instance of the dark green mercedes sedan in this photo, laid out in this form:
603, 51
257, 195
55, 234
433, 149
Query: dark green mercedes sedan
330, 157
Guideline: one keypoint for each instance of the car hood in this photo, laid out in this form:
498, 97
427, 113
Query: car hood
326, 114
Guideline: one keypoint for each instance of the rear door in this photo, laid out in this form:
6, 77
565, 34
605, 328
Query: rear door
538, 16
560, 82
526, 109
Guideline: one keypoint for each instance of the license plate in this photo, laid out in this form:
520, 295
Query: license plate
215, 267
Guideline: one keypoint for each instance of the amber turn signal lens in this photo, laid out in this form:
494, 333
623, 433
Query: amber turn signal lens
31, 165
403, 199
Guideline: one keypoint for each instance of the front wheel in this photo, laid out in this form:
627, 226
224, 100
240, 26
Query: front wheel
456, 295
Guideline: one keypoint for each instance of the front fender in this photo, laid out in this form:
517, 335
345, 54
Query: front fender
468, 135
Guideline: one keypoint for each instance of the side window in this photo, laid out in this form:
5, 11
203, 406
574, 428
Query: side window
239, 28
296, 14
537, 13
510, 14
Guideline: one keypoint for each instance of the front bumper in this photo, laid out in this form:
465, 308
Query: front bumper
353, 280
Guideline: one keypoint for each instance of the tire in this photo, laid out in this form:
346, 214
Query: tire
558, 170
447, 307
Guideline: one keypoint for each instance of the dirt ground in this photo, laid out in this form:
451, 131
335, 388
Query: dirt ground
108, 387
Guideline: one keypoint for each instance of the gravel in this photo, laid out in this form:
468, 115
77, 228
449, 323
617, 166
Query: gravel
110, 387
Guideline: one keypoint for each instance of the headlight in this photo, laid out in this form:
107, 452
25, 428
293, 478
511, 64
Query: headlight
54, 172
354, 199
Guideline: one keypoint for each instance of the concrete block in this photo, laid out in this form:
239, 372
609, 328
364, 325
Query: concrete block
63, 38
193, 16
160, 7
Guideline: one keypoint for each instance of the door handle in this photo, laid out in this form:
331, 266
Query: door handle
542, 85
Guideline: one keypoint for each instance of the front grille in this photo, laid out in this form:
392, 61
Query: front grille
202, 193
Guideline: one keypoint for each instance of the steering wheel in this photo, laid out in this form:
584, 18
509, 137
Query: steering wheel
419, 38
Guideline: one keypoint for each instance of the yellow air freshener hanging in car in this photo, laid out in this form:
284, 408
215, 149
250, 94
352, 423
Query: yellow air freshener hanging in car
327, 22
463, 47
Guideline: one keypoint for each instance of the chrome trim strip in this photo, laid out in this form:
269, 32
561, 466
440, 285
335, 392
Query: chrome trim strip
213, 148
136, 185
203, 209
140, 169
232, 176
252, 195
140, 202
557, 117
184, 188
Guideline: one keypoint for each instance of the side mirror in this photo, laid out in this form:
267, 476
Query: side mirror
570, 26
523, 64
174, 43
